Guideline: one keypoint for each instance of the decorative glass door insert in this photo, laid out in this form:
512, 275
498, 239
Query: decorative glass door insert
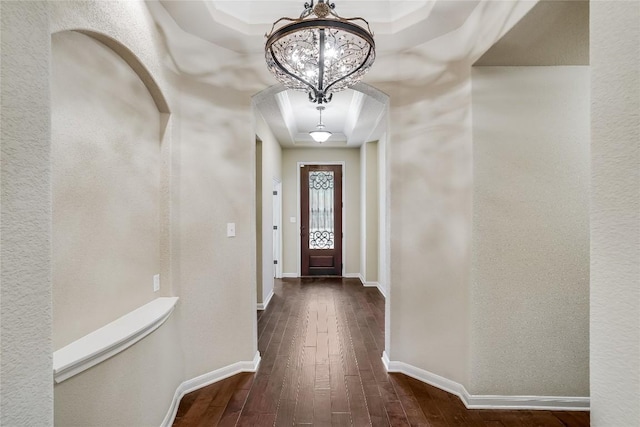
321, 210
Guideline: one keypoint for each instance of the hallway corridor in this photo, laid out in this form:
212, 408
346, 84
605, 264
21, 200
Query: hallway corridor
321, 342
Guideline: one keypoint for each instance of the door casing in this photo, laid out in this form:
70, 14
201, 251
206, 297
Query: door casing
277, 233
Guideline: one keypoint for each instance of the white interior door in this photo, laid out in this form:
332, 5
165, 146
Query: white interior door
277, 232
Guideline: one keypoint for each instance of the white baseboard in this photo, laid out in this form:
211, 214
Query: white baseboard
385, 361
547, 403
351, 275
372, 285
382, 290
206, 379
541, 403
290, 275
263, 305
375, 285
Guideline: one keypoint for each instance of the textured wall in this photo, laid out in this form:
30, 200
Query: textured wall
430, 160
530, 265
133, 388
26, 389
615, 213
351, 199
128, 384
105, 155
213, 179
215, 186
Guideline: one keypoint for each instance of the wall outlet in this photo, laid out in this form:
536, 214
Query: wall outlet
231, 229
156, 283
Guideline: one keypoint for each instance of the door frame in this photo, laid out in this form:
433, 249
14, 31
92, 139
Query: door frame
343, 210
277, 221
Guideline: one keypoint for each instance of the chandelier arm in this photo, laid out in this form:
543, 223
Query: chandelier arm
308, 10
321, 62
353, 72
282, 68
355, 19
268, 35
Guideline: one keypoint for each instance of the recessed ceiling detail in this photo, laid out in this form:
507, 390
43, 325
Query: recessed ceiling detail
416, 42
352, 117
261, 13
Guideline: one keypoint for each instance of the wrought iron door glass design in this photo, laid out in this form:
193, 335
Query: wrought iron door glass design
321, 215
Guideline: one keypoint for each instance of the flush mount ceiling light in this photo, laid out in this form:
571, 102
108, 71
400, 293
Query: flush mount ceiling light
319, 134
319, 55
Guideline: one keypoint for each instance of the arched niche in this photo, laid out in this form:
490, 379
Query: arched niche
108, 122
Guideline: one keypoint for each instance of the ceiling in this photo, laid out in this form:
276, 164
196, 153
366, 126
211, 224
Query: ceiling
221, 43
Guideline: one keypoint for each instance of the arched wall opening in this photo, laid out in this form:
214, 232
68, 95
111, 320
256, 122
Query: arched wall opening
276, 161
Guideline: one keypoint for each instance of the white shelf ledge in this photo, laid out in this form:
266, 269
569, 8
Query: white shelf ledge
111, 339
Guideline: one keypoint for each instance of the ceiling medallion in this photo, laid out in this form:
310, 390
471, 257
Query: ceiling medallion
319, 55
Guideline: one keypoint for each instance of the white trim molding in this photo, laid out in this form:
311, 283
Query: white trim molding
111, 339
206, 379
290, 275
375, 285
471, 401
372, 285
263, 305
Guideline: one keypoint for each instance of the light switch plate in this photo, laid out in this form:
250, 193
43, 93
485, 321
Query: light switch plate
156, 283
292, 219
231, 229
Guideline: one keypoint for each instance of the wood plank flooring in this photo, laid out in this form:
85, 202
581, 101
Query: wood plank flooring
321, 341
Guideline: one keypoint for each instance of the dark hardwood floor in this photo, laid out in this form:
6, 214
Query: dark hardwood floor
321, 341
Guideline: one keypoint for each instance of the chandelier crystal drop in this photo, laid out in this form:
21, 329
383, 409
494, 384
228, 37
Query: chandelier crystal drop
319, 134
320, 55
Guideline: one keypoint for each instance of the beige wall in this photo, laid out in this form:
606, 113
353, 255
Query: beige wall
429, 157
216, 186
259, 236
384, 234
270, 168
105, 154
133, 388
615, 213
530, 265
370, 211
111, 150
26, 389
430, 214
209, 152
351, 199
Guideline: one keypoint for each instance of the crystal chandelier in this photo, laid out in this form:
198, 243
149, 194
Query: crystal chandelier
319, 55
319, 134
